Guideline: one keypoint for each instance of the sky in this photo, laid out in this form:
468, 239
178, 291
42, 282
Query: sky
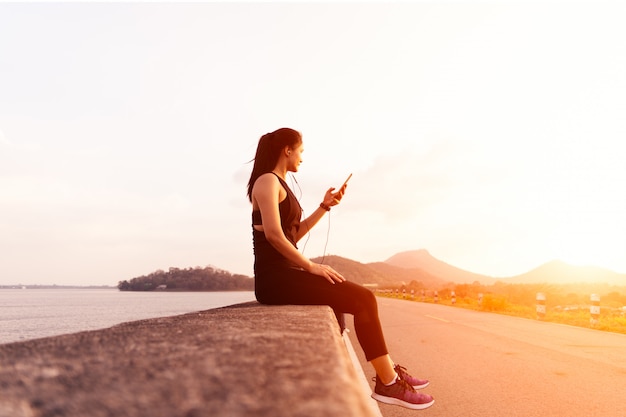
489, 133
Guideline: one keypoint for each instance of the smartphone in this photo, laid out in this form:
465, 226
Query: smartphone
346, 181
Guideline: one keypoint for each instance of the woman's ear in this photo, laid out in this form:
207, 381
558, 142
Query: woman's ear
287, 150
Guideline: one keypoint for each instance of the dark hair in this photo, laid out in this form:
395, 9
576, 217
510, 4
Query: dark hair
268, 151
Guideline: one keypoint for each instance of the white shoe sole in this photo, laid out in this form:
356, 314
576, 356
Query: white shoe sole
421, 386
396, 401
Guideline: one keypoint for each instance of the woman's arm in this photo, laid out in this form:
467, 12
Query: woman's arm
266, 194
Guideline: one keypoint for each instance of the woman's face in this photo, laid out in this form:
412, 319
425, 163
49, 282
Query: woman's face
294, 159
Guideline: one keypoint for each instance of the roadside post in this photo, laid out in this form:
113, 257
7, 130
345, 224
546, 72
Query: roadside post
595, 309
541, 305
453, 294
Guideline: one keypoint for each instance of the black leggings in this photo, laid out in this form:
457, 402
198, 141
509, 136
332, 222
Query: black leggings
284, 285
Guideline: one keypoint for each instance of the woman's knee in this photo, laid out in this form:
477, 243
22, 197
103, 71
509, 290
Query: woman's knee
366, 298
370, 299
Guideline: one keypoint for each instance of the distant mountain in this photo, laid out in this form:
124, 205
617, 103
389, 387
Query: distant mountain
407, 275
380, 273
403, 268
558, 272
358, 272
424, 261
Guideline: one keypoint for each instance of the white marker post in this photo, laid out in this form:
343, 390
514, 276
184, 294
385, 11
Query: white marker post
595, 309
541, 305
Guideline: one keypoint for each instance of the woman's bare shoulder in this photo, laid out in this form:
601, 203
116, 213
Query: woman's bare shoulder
266, 183
267, 179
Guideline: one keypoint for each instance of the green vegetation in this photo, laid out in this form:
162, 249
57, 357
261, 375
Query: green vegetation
190, 279
565, 303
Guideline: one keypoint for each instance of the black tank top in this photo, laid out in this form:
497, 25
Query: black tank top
290, 214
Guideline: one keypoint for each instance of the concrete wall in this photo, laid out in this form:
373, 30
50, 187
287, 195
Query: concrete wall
243, 360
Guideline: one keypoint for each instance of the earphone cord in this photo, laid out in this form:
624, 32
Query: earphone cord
327, 236
308, 235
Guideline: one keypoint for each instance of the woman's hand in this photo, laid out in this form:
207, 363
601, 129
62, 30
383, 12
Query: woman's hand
331, 198
327, 272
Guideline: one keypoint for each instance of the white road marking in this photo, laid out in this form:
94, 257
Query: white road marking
438, 318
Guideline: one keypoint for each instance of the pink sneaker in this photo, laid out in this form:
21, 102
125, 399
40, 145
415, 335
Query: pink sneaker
412, 381
402, 394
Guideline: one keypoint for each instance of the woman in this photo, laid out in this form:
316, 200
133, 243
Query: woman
284, 276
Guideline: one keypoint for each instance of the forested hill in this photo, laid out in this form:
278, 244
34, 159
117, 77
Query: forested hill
380, 273
189, 279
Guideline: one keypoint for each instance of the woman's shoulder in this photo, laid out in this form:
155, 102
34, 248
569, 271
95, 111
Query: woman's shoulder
267, 180
266, 186
269, 177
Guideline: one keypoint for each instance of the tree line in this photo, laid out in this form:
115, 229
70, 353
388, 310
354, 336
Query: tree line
189, 279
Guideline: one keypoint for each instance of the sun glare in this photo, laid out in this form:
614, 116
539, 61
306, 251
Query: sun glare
586, 235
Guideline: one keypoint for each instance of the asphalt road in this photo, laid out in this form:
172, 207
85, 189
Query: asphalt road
491, 365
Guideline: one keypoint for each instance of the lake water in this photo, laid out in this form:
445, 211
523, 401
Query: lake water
35, 313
